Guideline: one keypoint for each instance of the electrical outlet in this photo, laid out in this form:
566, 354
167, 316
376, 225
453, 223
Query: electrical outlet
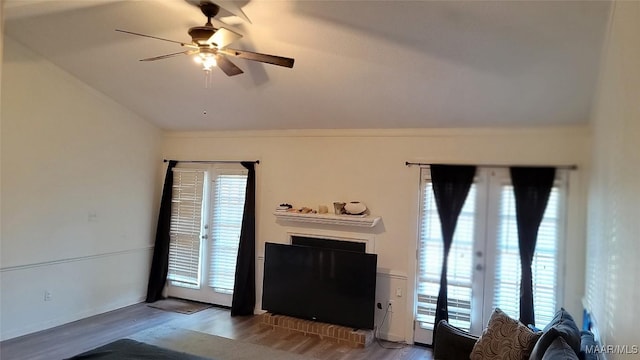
391, 302
47, 295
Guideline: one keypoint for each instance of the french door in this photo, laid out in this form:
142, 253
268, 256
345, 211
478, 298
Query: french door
206, 217
484, 262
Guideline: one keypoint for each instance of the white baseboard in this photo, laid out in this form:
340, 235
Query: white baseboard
391, 337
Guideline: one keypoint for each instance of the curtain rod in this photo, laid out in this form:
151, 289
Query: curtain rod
567, 167
213, 161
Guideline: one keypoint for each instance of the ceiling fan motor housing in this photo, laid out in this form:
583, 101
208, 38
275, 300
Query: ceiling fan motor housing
200, 34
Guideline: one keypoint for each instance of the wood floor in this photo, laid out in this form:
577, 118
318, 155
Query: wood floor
70, 339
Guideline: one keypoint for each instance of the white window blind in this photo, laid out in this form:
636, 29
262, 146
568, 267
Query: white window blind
186, 224
228, 197
459, 269
545, 260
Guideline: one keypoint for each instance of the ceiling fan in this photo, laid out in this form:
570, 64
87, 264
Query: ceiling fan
209, 44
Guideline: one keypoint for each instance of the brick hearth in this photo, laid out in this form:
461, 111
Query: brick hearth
341, 334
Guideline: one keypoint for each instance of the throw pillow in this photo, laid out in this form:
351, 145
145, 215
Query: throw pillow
504, 339
543, 343
559, 349
567, 328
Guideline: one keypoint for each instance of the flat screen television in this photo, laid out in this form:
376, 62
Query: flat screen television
323, 284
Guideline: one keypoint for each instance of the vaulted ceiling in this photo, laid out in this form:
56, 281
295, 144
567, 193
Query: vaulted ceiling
358, 64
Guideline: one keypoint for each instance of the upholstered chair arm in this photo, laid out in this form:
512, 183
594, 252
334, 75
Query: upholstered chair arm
452, 343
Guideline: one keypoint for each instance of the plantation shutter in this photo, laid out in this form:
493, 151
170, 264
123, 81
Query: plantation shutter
545, 259
228, 206
459, 271
186, 224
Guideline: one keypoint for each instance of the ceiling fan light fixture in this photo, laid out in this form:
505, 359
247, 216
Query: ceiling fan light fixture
207, 60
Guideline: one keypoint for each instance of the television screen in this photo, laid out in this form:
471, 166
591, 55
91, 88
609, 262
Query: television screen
323, 284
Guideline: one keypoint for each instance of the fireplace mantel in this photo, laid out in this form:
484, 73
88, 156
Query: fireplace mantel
328, 219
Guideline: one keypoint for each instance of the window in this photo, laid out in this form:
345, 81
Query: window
186, 222
206, 218
484, 262
545, 260
228, 208
460, 268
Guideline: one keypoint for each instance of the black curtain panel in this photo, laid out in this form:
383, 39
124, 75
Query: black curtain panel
531, 188
160, 262
451, 184
244, 288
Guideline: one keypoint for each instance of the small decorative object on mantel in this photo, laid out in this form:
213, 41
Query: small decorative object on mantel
306, 210
284, 207
288, 208
355, 208
338, 207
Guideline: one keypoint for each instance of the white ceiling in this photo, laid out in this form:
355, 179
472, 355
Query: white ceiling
359, 64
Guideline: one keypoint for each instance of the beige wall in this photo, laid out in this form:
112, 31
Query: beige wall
79, 197
309, 168
613, 270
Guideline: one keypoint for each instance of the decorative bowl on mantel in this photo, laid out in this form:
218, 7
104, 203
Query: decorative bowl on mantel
355, 208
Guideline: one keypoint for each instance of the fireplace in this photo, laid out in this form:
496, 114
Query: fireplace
328, 243
352, 241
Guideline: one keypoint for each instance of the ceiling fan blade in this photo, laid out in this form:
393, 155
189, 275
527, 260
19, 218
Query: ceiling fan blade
223, 37
227, 66
188, 52
154, 37
269, 59
233, 8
